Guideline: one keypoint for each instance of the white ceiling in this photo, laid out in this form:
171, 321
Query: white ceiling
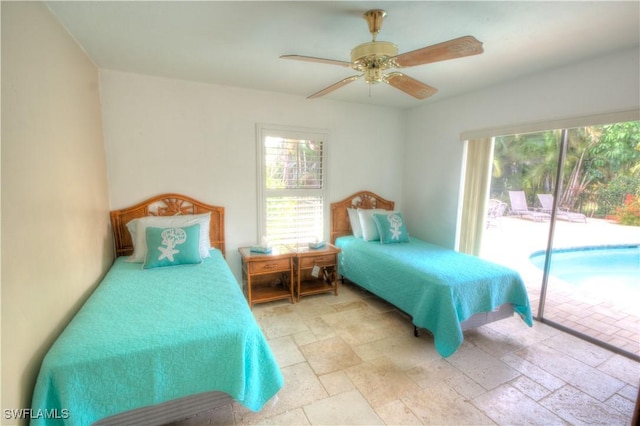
238, 43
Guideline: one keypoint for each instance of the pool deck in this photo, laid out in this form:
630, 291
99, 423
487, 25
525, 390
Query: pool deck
606, 316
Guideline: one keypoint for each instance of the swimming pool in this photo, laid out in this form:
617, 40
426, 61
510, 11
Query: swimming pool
606, 270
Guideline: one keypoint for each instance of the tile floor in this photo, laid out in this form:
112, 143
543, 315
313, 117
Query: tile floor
353, 359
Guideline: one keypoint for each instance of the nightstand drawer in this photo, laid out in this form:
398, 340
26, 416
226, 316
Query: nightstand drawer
269, 265
309, 262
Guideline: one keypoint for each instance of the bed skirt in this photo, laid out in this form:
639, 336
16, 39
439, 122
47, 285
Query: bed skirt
482, 318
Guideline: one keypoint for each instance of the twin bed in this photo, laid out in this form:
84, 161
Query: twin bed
157, 344
444, 291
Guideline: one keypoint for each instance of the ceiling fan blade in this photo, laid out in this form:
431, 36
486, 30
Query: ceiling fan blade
409, 85
313, 59
456, 48
334, 86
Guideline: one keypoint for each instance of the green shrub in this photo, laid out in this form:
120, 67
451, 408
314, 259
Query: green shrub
609, 196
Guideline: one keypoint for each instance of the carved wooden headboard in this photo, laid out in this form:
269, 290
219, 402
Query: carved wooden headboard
165, 205
340, 224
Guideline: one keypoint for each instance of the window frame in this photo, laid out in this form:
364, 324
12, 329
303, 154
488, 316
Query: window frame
289, 132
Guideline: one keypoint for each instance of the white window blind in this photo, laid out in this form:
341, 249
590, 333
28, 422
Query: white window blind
291, 185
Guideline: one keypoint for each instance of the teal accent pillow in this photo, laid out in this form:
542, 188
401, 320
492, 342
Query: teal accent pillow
172, 246
391, 228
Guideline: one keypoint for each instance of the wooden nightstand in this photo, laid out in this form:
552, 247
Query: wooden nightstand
323, 278
267, 276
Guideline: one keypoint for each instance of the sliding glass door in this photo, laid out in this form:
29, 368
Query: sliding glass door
570, 224
593, 283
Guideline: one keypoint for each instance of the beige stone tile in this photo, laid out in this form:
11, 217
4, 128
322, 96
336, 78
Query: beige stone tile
336, 382
362, 326
304, 337
286, 351
486, 370
347, 292
397, 413
444, 406
301, 387
507, 405
320, 329
381, 381
509, 326
493, 342
283, 323
585, 378
350, 313
398, 323
293, 418
519, 330
349, 305
439, 373
530, 388
367, 351
358, 334
622, 368
329, 355
403, 349
351, 290
577, 407
533, 372
379, 304
314, 306
630, 392
271, 309
579, 349
348, 408
621, 404
349, 322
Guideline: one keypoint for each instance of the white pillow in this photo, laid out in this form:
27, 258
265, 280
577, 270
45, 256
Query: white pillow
137, 228
354, 219
369, 227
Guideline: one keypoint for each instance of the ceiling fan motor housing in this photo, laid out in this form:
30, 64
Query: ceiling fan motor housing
378, 49
372, 58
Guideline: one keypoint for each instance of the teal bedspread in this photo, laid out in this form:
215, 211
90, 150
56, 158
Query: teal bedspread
149, 336
439, 288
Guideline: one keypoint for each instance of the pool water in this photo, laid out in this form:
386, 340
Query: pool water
613, 271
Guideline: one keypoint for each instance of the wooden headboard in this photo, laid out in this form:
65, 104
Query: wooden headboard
340, 224
165, 205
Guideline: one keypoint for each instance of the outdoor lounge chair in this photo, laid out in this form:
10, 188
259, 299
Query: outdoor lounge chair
519, 207
546, 201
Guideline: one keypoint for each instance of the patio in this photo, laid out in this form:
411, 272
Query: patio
607, 317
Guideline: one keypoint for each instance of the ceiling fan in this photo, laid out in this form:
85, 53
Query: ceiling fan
373, 58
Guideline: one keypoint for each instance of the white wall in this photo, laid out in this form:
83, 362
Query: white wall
164, 135
434, 151
56, 242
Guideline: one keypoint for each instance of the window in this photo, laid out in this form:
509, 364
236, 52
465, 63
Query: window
291, 184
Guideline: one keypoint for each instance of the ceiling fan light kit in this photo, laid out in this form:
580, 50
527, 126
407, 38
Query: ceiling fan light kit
373, 58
